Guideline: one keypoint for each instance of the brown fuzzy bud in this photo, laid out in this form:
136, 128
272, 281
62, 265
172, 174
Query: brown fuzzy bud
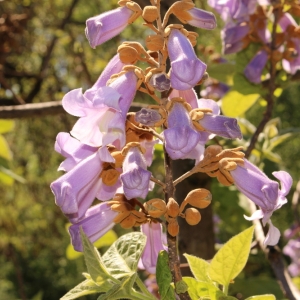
156, 207
173, 228
172, 208
150, 14
199, 198
128, 222
192, 216
155, 42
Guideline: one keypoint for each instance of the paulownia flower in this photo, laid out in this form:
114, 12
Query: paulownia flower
135, 177
154, 245
105, 26
102, 117
264, 192
76, 190
254, 69
201, 18
96, 222
186, 69
181, 139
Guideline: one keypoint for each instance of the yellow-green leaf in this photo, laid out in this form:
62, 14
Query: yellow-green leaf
6, 126
199, 267
4, 149
235, 104
231, 258
262, 297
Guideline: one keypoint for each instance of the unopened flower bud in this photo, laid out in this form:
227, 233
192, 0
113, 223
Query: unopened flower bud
147, 116
192, 216
172, 208
199, 198
155, 42
128, 222
160, 82
155, 207
150, 13
173, 228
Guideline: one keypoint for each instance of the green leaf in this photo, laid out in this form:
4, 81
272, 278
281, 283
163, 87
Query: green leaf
125, 290
231, 258
235, 104
276, 141
242, 85
262, 297
4, 149
181, 287
95, 266
84, 288
106, 240
123, 255
202, 290
164, 277
6, 125
199, 267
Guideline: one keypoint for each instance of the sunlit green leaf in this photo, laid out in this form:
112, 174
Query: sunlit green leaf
95, 266
123, 255
231, 258
203, 290
222, 72
262, 297
84, 288
199, 267
164, 277
4, 149
235, 104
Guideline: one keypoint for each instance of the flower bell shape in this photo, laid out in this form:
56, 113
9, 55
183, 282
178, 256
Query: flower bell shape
153, 246
189, 96
201, 18
255, 67
186, 69
181, 139
114, 66
102, 118
135, 177
96, 222
213, 122
264, 192
292, 249
76, 190
105, 26
72, 150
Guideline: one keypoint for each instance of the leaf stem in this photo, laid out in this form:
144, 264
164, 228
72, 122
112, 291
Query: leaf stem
144, 289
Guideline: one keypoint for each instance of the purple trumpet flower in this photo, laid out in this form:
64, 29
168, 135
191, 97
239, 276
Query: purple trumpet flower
264, 192
189, 96
292, 249
76, 190
186, 69
254, 69
181, 139
201, 18
105, 26
102, 118
220, 125
214, 90
135, 177
96, 222
154, 245
216, 124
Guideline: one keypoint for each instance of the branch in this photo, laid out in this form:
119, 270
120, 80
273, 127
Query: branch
42, 109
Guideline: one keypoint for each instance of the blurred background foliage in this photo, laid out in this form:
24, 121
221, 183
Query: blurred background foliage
44, 54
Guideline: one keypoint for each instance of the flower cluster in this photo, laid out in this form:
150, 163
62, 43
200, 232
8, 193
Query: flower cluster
109, 149
249, 22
